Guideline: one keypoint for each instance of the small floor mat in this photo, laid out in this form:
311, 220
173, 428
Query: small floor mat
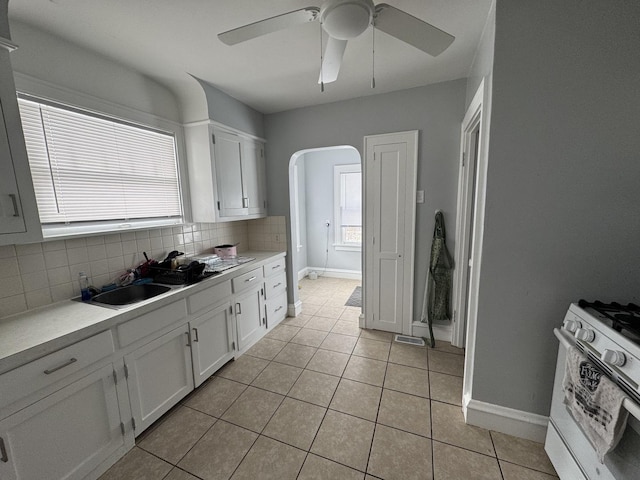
355, 300
418, 342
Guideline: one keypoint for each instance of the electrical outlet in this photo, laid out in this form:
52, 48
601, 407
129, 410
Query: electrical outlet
420, 196
277, 237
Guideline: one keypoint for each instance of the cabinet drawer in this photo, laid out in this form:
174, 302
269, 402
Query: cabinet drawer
145, 325
274, 267
275, 284
29, 378
247, 280
209, 297
276, 309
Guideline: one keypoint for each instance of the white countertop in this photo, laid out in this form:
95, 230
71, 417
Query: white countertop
30, 335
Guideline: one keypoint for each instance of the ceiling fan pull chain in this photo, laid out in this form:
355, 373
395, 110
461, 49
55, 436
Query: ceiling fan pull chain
373, 53
321, 61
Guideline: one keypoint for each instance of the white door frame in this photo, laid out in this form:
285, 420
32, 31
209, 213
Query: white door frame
410, 231
478, 115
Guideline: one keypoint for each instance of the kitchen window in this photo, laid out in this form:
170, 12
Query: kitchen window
348, 207
94, 173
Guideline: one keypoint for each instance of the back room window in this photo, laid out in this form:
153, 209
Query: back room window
93, 173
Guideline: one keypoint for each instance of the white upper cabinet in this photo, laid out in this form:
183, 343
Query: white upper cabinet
19, 222
226, 174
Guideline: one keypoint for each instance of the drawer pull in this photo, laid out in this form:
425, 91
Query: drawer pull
277, 266
14, 202
238, 309
188, 339
250, 279
277, 285
278, 309
195, 330
3, 451
66, 364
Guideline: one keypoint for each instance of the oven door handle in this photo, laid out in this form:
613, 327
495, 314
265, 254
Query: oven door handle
629, 405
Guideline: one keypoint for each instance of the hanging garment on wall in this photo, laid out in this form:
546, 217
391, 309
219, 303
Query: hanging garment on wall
439, 279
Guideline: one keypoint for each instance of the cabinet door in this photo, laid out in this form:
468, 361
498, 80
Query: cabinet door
11, 219
67, 434
212, 343
254, 177
228, 166
159, 376
250, 318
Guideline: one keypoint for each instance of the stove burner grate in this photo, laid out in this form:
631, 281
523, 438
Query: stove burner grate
624, 318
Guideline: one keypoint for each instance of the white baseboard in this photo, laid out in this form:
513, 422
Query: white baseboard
336, 273
506, 420
303, 273
294, 309
440, 332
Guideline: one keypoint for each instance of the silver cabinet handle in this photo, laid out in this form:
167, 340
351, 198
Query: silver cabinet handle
66, 364
277, 266
245, 202
188, 338
277, 285
195, 330
250, 279
278, 309
14, 201
3, 452
238, 309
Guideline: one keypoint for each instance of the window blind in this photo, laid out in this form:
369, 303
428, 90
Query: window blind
348, 180
88, 168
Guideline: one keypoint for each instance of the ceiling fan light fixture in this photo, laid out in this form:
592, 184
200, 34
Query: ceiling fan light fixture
346, 19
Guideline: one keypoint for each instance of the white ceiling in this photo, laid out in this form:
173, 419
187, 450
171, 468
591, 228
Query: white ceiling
167, 39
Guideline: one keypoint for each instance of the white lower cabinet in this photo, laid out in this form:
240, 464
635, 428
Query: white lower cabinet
250, 318
212, 341
159, 375
68, 434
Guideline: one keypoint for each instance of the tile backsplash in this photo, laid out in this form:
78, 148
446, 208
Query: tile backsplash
37, 274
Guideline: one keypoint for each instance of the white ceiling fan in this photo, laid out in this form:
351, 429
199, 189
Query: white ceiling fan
344, 20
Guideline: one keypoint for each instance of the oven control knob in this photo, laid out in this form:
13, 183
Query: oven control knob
613, 357
585, 334
572, 325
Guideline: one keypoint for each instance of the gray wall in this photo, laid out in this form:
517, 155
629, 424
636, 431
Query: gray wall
482, 64
319, 205
436, 110
562, 214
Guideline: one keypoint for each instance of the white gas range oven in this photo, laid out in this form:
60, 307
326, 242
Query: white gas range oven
609, 335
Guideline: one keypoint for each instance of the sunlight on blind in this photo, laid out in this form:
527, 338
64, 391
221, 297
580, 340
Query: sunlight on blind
86, 168
351, 207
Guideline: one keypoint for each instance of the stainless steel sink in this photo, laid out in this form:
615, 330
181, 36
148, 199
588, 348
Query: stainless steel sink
130, 294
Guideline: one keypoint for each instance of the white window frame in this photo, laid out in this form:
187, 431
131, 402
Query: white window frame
124, 115
296, 193
338, 170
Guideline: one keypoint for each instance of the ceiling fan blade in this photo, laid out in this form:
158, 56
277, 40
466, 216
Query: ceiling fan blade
332, 59
269, 25
412, 30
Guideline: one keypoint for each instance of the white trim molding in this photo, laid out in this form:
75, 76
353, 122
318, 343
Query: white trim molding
506, 420
294, 309
440, 332
335, 273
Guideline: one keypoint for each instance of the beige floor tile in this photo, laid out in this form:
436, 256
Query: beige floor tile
295, 423
325, 361
366, 370
409, 355
215, 396
321, 323
270, 460
314, 387
243, 369
448, 363
277, 377
253, 409
177, 474
445, 388
309, 337
448, 426
296, 355
453, 463
351, 314
318, 468
447, 347
414, 381
309, 308
400, 455
516, 472
329, 311
372, 349
338, 300
174, 436
344, 439
137, 465
315, 299
299, 321
283, 333
339, 343
346, 328
405, 412
219, 452
355, 398
522, 452
376, 335
266, 348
